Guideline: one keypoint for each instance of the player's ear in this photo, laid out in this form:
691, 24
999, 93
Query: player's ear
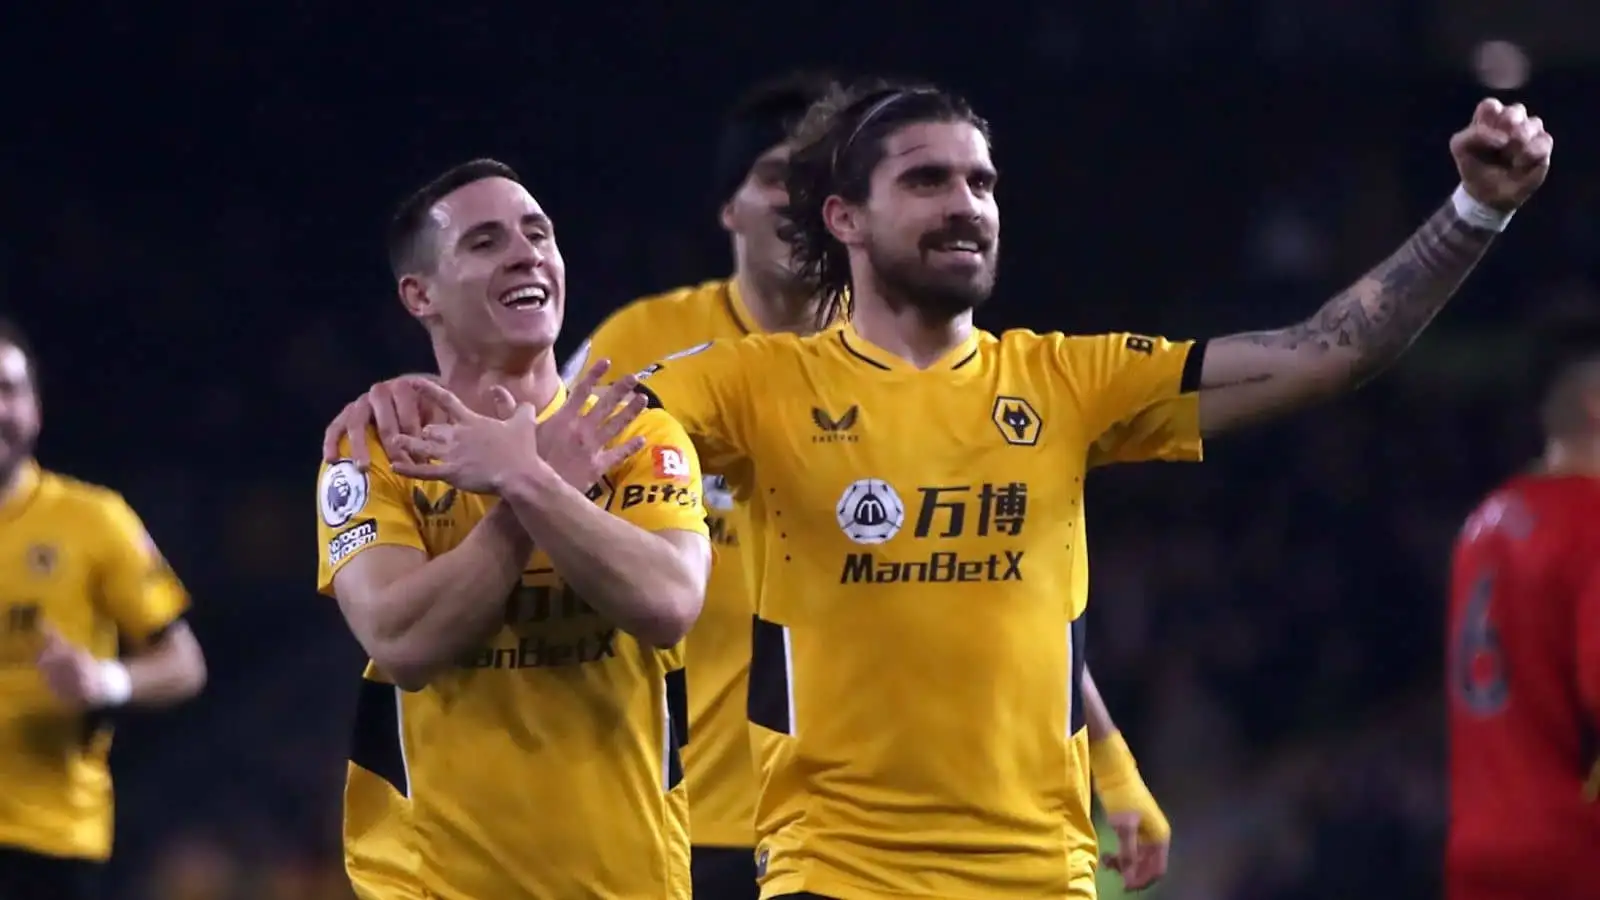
843, 220
414, 296
727, 216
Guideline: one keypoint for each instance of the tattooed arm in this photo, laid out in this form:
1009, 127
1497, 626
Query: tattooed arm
1502, 156
1353, 337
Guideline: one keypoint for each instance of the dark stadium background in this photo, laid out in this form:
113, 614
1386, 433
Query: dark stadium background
196, 197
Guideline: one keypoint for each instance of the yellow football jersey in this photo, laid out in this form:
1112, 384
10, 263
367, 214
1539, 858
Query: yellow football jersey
918, 644
380, 855
717, 764
546, 764
75, 557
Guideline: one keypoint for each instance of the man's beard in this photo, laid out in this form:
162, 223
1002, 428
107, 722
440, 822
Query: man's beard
909, 280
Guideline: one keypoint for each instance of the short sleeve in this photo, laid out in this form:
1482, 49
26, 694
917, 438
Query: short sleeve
1169, 430
659, 488
1136, 394
138, 590
707, 390
357, 510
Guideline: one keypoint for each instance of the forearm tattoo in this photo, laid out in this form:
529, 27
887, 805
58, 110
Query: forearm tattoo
1377, 318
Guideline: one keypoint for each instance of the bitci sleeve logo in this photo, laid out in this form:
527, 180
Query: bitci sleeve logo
670, 464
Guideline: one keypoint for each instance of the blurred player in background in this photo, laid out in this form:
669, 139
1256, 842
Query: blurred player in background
79, 578
525, 588
1144, 836
762, 296
1523, 670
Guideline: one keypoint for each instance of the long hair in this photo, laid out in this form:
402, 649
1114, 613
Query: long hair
835, 150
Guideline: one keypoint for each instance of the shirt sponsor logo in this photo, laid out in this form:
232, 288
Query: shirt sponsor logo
670, 463
348, 542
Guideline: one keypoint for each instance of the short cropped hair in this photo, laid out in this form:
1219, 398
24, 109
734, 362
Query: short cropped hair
1566, 364
836, 148
410, 243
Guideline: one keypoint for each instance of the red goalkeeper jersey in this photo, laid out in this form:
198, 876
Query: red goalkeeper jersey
1523, 675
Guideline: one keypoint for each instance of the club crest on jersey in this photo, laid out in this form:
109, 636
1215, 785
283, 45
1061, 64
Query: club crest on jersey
341, 493
870, 512
1018, 421
670, 464
41, 559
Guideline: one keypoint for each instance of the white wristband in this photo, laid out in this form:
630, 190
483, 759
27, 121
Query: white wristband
113, 685
1476, 214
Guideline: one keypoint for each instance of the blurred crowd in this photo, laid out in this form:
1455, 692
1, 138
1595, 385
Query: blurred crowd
1266, 626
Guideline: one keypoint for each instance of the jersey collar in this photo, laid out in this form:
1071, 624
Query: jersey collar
27, 486
737, 309
865, 351
742, 317
556, 402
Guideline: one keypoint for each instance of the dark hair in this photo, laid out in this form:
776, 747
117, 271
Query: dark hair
762, 117
837, 146
786, 97
1564, 346
410, 230
12, 334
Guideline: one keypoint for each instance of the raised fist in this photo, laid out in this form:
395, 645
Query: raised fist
1503, 154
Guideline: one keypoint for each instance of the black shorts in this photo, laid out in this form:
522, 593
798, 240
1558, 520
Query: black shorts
724, 873
27, 876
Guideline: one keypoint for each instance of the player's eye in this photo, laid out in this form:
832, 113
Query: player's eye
925, 178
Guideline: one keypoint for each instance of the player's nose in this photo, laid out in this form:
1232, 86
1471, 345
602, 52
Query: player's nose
961, 202
524, 255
